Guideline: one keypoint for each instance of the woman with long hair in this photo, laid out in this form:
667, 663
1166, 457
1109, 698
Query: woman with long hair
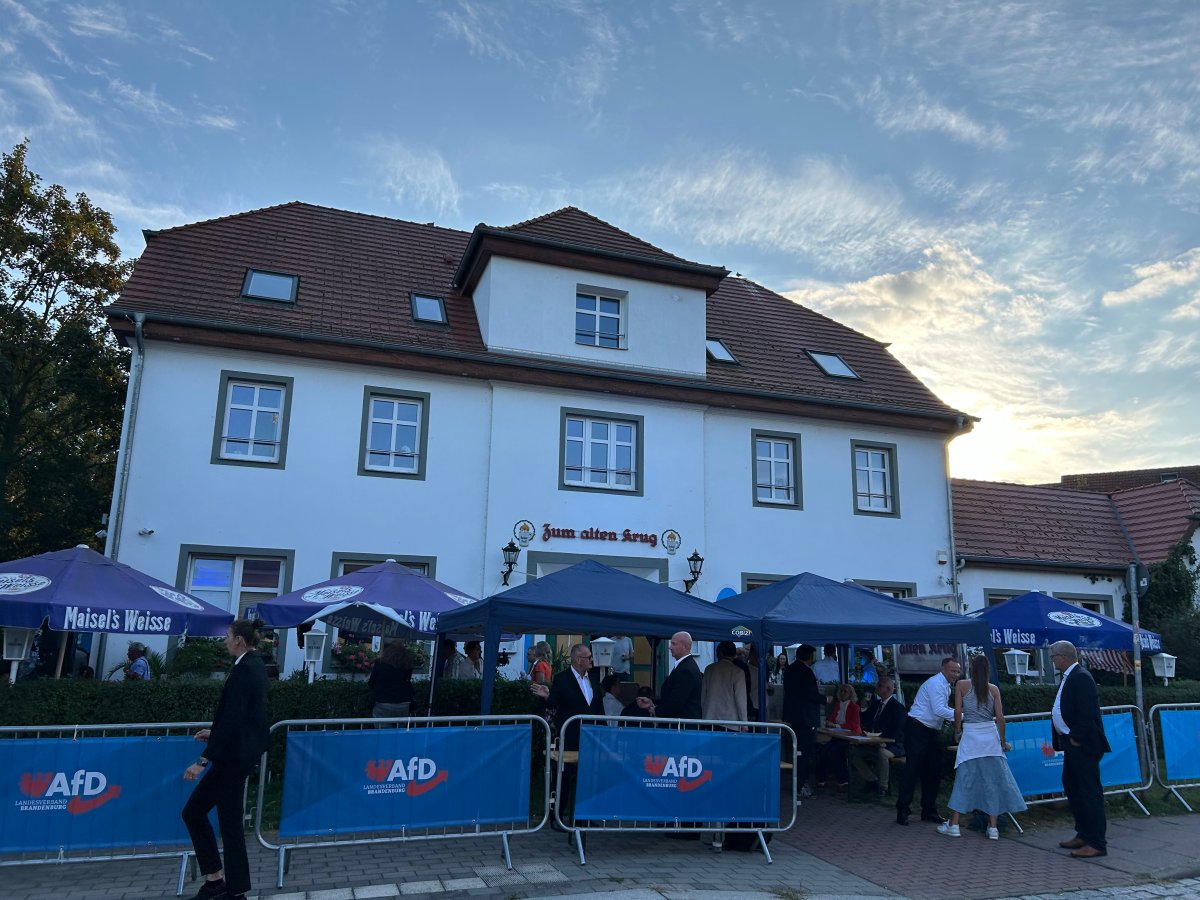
391, 682
238, 736
847, 716
982, 779
539, 657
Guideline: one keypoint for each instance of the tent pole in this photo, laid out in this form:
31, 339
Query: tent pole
491, 651
62, 652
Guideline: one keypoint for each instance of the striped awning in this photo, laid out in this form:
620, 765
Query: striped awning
1108, 660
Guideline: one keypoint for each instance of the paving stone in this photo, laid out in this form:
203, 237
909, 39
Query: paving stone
332, 894
462, 884
421, 887
376, 890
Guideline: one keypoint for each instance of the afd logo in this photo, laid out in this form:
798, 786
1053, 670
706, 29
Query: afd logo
684, 773
78, 793
415, 776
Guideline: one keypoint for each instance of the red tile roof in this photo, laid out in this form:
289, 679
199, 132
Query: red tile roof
1119, 481
357, 272
994, 520
1158, 516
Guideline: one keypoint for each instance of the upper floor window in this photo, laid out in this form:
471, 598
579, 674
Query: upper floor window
599, 320
875, 485
428, 309
601, 453
394, 437
718, 352
252, 424
832, 364
776, 469
261, 285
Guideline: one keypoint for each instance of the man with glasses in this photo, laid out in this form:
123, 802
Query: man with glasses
1078, 731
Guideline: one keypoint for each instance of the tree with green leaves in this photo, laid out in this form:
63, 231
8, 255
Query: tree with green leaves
62, 374
1173, 585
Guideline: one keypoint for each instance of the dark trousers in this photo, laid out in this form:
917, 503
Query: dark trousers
806, 745
923, 748
221, 786
1085, 794
832, 756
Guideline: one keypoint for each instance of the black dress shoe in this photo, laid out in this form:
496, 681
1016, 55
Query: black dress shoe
901, 818
932, 817
211, 890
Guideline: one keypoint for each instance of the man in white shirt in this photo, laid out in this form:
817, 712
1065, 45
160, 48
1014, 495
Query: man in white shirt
826, 668
622, 655
930, 710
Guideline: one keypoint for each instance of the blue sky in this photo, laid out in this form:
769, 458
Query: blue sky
1008, 193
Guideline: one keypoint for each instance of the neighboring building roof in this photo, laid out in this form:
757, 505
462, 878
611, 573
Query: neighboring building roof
1158, 516
357, 273
1013, 523
1107, 482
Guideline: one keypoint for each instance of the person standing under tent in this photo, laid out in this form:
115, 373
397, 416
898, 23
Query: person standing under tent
802, 705
922, 740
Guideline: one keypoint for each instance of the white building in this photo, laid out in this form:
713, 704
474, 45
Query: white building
313, 389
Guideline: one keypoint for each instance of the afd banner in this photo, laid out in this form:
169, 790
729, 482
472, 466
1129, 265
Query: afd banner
1037, 767
388, 779
656, 775
94, 793
1181, 743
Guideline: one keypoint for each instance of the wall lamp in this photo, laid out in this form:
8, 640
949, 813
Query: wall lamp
511, 551
695, 564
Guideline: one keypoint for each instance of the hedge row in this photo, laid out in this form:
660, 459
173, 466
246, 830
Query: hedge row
49, 702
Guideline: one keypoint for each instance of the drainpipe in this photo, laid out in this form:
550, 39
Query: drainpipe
133, 392
952, 559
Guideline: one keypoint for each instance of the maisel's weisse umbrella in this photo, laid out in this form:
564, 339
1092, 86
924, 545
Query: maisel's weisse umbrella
1038, 620
80, 590
387, 599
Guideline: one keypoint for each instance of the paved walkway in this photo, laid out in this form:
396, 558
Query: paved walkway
837, 849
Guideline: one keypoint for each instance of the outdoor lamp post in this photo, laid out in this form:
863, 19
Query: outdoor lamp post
1017, 663
314, 651
18, 640
1164, 666
695, 564
511, 551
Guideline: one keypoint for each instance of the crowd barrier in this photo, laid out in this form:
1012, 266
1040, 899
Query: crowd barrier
671, 775
90, 793
1178, 766
367, 781
1037, 766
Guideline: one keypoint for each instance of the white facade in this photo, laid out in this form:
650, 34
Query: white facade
493, 455
1100, 592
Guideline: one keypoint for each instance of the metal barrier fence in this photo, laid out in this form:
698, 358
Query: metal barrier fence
357, 781
94, 793
1179, 754
643, 757
1144, 762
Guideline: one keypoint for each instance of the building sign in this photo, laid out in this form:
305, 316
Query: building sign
524, 531
625, 536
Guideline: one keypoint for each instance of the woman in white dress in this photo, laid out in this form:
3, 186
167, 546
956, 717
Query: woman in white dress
982, 779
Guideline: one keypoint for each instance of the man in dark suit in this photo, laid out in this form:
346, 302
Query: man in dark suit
572, 692
886, 714
1078, 731
802, 705
680, 694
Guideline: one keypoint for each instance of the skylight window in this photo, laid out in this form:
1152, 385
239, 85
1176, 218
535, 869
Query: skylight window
260, 285
718, 352
428, 309
832, 364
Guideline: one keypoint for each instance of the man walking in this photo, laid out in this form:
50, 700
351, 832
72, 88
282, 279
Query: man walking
930, 710
802, 704
1079, 733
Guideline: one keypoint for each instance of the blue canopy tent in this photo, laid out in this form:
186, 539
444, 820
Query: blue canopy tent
807, 607
1038, 620
590, 597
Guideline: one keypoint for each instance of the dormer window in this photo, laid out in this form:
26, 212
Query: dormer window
274, 286
832, 364
428, 309
718, 352
599, 318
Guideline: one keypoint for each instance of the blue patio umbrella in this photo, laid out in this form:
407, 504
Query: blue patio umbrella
81, 590
386, 600
1037, 620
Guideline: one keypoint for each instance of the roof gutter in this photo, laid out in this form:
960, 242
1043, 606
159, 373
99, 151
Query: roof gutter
1040, 563
526, 363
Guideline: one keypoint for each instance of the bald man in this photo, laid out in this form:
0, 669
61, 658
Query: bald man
680, 695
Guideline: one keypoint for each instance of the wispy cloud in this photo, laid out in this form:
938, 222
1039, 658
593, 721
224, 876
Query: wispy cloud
147, 102
43, 93
218, 121
483, 28
412, 177
906, 107
98, 22
24, 21
1159, 278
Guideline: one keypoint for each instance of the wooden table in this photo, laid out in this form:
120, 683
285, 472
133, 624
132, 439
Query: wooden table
849, 737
